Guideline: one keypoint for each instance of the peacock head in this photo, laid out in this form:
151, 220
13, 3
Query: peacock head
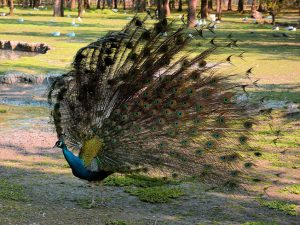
59, 144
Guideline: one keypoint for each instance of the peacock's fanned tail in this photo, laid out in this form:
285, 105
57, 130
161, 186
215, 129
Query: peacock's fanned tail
135, 100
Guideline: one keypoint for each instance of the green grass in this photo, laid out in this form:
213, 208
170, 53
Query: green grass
147, 189
137, 181
11, 191
274, 58
117, 222
159, 194
3, 111
288, 208
292, 189
259, 223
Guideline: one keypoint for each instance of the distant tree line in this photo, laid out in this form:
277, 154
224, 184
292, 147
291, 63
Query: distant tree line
163, 7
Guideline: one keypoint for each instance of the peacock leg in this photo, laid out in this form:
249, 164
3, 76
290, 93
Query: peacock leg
101, 185
93, 203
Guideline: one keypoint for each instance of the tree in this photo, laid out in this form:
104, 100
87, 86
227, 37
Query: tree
260, 7
219, 9
241, 6
229, 6
210, 4
180, 6
58, 8
140, 5
115, 4
204, 9
72, 5
11, 7
160, 10
87, 4
274, 8
253, 6
163, 8
80, 8
166, 7
3, 3
192, 5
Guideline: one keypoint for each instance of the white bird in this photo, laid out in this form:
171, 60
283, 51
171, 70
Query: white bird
115, 10
2, 14
129, 18
55, 34
275, 28
204, 22
74, 24
21, 20
291, 28
269, 17
245, 18
72, 34
165, 34
79, 19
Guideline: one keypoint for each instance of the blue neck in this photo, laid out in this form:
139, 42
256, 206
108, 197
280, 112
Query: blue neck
78, 168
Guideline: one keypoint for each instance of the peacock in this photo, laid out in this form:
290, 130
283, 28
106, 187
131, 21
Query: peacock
137, 101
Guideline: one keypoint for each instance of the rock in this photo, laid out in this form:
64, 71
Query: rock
24, 47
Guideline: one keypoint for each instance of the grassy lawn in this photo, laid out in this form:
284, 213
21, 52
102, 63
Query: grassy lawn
276, 59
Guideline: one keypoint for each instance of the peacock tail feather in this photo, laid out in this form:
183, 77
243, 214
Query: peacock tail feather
136, 100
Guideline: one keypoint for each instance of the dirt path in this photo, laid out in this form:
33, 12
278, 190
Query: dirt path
38, 187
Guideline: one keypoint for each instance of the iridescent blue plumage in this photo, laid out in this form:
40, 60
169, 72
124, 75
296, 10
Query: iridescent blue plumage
78, 168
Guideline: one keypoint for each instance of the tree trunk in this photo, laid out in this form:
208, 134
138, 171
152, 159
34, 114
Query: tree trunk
80, 8
180, 6
260, 8
87, 4
25, 4
229, 7
241, 6
109, 3
166, 8
173, 2
98, 4
253, 6
58, 9
210, 4
140, 6
160, 9
11, 7
36, 3
192, 5
124, 4
219, 9
4, 3
204, 9
273, 18
115, 4
103, 4
72, 5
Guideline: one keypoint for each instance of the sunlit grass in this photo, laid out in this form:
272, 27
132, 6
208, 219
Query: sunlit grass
292, 189
275, 59
288, 208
